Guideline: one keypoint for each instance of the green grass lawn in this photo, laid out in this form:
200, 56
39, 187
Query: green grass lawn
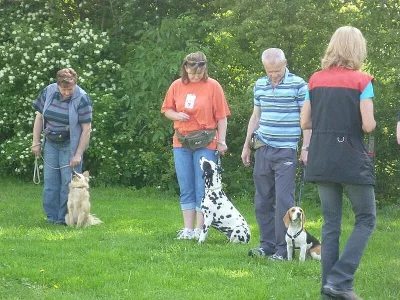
134, 255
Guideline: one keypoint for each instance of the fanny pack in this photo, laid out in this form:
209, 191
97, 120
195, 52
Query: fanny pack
56, 136
255, 143
196, 139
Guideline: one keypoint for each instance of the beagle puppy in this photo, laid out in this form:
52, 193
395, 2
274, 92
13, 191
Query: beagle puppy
298, 238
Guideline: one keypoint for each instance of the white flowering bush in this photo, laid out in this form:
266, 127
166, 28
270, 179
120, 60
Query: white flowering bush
31, 52
34, 47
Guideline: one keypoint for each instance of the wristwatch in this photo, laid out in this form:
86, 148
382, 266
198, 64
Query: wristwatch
304, 148
221, 143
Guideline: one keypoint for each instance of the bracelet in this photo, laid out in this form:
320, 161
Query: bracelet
304, 148
221, 143
38, 144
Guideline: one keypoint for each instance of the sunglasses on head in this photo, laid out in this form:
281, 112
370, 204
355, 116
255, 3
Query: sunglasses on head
196, 63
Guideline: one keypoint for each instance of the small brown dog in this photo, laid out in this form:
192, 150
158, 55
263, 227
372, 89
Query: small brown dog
78, 202
298, 238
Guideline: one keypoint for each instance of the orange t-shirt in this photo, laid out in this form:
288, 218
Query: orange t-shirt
203, 101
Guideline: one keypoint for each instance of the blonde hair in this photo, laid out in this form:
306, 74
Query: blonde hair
66, 76
347, 48
193, 58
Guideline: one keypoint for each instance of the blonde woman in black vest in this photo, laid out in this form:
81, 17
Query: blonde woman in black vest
339, 110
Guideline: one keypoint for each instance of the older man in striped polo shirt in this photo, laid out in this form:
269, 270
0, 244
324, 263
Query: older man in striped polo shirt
278, 98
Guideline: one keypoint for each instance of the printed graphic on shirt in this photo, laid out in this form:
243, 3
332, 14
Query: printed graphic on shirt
190, 99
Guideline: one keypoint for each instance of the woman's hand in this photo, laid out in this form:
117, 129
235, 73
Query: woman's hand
36, 149
222, 148
76, 160
182, 117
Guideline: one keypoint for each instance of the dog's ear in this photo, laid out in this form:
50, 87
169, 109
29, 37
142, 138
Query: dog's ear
207, 170
303, 218
287, 219
86, 173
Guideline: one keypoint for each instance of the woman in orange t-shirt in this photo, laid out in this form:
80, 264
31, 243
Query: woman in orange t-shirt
195, 102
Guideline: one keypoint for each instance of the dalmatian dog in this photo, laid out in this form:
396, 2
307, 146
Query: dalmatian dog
217, 209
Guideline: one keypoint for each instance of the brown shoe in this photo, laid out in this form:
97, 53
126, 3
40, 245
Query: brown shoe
329, 292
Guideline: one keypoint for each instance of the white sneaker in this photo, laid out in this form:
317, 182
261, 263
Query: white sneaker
185, 234
196, 233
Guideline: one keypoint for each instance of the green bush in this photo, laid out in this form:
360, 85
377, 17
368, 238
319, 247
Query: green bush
128, 69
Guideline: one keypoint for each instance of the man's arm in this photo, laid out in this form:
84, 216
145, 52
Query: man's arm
253, 125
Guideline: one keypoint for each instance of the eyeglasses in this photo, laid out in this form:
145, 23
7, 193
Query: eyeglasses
199, 64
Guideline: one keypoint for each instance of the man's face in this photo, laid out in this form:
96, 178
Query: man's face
66, 90
275, 72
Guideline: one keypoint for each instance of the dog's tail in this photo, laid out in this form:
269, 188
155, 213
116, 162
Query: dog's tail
92, 220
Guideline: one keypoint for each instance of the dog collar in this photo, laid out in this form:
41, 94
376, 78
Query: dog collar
80, 187
296, 235
213, 188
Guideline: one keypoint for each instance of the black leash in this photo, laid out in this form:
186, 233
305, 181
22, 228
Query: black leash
302, 171
218, 158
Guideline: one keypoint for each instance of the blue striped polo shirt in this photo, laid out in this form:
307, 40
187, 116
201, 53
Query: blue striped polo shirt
57, 115
279, 125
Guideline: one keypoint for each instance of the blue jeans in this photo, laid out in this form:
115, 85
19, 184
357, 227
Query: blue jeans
57, 176
190, 176
338, 270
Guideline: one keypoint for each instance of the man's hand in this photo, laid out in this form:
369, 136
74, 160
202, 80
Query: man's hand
246, 156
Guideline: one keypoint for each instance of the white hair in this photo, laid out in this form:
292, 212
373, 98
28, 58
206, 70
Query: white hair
273, 55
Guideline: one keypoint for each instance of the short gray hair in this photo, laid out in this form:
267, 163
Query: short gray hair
273, 55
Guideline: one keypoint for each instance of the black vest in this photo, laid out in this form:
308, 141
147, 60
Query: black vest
337, 152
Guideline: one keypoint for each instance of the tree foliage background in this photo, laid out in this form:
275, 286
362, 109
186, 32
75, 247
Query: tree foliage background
127, 52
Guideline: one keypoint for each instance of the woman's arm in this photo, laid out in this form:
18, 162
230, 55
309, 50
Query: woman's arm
83, 143
175, 116
37, 130
221, 143
367, 115
305, 116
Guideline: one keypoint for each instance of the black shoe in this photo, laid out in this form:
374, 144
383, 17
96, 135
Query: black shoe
259, 252
329, 292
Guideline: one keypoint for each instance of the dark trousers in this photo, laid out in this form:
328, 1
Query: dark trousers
338, 270
274, 179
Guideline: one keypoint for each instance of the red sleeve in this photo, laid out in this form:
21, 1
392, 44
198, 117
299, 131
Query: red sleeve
169, 100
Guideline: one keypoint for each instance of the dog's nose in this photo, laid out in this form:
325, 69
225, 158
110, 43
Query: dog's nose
298, 214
